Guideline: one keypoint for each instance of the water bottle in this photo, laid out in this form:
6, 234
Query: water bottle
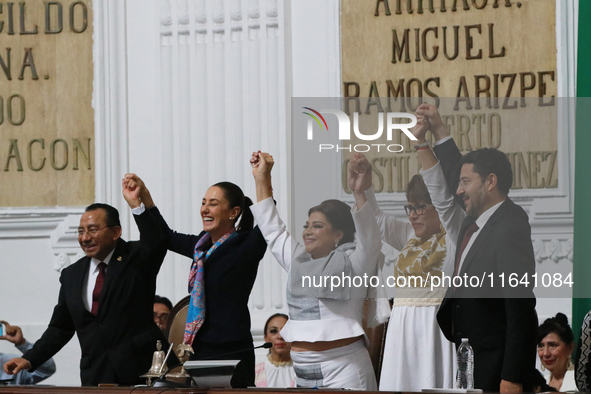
465, 375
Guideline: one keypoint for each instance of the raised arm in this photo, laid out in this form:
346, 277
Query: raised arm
445, 148
394, 232
369, 237
135, 192
450, 212
283, 246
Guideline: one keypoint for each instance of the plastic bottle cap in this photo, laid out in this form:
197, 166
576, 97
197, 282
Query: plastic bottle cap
464, 339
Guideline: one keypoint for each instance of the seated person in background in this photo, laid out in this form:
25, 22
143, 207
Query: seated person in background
277, 369
162, 308
555, 346
14, 334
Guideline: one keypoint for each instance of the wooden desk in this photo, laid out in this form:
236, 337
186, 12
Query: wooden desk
40, 389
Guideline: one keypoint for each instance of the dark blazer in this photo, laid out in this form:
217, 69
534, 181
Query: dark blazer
230, 273
500, 322
117, 344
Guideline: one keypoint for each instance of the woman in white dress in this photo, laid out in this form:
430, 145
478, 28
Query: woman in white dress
416, 353
277, 369
328, 343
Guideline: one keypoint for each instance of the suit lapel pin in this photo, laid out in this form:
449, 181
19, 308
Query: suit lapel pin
119, 258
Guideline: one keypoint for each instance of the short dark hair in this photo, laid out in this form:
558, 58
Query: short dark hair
112, 213
163, 300
273, 317
557, 325
488, 161
417, 191
339, 216
235, 196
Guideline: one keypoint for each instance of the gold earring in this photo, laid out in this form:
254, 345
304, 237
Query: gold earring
570, 365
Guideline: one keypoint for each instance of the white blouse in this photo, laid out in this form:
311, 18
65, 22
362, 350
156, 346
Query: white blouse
336, 319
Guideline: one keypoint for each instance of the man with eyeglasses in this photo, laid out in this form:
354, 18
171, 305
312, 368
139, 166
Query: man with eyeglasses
162, 308
106, 298
494, 238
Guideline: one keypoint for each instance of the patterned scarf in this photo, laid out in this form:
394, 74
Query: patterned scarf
196, 313
422, 259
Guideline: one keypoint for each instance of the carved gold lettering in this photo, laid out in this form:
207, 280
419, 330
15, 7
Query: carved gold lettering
10, 112
477, 120
494, 130
507, 3
10, 18
23, 29
417, 45
13, 153
491, 43
60, 17
28, 61
398, 48
478, 5
524, 86
456, 42
509, 89
535, 167
470, 42
551, 156
409, 93
84, 8
374, 98
542, 88
379, 185
386, 7
6, 65
455, 4
396, 92
521, 170
41, 142
431, 8
462, 95
462, 131
86, 155
480, 90
429, 92
53, 157
424, 44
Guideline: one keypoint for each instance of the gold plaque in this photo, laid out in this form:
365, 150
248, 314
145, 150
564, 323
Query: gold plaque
46, 115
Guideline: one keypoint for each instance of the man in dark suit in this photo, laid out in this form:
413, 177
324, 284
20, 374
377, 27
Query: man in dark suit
108, 306
500, 321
